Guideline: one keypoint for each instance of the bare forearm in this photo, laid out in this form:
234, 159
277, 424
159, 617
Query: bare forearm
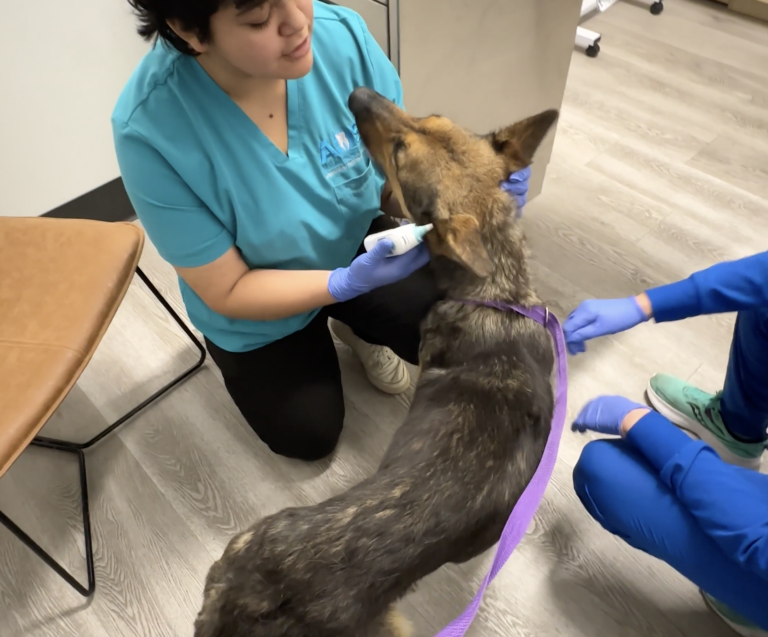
268, 295
645, 304
631, 419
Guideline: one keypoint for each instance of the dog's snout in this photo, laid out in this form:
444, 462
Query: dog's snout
361, 99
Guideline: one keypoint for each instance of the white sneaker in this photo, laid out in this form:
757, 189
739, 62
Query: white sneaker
384, 368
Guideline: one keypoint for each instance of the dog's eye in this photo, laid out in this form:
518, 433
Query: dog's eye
398, 147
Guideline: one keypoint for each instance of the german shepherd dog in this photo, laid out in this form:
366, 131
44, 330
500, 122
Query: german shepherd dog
476, 429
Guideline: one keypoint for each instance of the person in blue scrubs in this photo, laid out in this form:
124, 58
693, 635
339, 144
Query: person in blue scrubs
244, 165
701, 505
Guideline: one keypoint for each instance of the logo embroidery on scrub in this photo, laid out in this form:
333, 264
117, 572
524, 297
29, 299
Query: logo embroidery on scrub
342, 140
341, 151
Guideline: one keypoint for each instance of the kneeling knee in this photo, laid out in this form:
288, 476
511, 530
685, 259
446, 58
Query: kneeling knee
592, 478
303, 432
309, 448
591, 467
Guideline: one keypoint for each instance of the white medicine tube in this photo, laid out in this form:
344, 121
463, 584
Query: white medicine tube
405, 238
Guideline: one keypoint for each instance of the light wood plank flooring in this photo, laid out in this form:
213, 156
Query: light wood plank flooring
659, 169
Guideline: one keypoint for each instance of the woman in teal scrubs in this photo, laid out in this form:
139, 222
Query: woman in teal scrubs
246, 169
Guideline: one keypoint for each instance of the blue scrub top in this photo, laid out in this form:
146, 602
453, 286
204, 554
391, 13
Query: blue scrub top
203, 177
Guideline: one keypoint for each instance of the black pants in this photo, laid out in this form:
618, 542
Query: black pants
290, 391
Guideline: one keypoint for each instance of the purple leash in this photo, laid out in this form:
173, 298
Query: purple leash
526, 506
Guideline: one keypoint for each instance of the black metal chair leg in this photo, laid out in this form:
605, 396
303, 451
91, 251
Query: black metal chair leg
42, 554
80, 446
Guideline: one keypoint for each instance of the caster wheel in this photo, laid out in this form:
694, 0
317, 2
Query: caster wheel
657, 8
593, 50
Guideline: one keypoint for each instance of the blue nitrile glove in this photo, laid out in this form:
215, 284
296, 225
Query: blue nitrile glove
598, 317
604, 414
374, 269
517, 185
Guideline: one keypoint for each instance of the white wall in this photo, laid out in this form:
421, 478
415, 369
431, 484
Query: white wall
63, 64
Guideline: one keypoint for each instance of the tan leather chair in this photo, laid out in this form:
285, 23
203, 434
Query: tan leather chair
61, 283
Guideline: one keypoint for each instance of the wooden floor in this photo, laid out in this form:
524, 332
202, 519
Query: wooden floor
660, 168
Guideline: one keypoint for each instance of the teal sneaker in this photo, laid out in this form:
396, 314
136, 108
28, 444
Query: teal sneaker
738, 623
698, 412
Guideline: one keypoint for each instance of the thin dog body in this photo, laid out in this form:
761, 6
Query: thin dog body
476, 428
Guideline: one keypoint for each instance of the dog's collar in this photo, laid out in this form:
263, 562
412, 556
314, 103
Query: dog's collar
538, 313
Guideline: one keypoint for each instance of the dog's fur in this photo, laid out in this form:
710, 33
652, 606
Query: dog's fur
476, 429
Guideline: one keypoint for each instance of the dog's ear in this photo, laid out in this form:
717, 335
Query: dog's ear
518, 143
458, 238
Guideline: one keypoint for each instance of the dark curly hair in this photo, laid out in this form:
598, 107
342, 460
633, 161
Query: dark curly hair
194, 16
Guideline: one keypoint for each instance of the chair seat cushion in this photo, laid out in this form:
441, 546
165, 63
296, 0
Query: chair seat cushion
61, 282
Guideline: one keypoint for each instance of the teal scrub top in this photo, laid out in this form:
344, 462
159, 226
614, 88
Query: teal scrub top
202, 176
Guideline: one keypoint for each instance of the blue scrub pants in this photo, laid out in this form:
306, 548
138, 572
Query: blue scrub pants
744, 405
625, 494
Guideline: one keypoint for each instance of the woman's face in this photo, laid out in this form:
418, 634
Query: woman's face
269, 39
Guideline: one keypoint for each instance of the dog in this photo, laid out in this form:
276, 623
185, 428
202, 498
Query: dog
476, 428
